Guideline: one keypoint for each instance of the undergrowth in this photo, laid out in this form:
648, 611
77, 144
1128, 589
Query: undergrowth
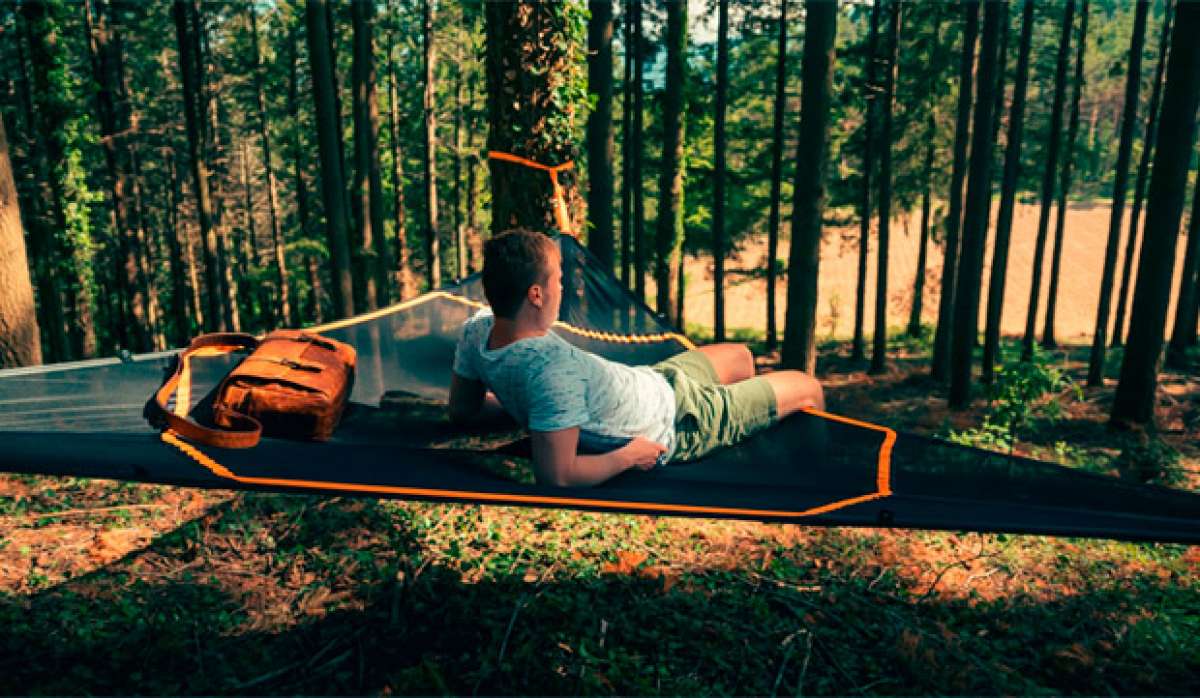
118, 589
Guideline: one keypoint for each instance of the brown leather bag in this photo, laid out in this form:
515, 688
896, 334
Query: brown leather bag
293, 385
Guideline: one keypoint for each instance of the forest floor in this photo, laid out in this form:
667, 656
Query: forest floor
118, 588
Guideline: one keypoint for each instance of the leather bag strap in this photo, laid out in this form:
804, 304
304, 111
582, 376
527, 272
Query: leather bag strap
246, 430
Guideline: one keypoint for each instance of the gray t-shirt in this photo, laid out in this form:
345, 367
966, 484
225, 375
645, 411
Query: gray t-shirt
548, 384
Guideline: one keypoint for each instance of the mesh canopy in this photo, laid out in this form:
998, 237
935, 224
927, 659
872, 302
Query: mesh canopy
85, 419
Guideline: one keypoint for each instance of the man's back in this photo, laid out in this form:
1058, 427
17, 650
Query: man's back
547, 384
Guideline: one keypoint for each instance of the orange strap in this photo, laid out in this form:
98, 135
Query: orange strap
561, 218
246, 430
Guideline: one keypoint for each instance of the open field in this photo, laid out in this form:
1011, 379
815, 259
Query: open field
1079, 285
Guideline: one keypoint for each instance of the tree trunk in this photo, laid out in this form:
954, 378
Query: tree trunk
1008, 195
1183, 335
1143, 177
433, 266
799, 338
776, 173
67, 301
1133, 81
879, 344
858, 346
975, 217
669, 226
368, 185
1051, 159
402, 274
718, 209
145, 272
247, 253
278, 243
1135, 397
914, 317
474, 248
1064, 184
331, 34
188, 69
179, 287
626, 273
460, 243
531, 49
20, 344
600, 132
332, 187
940, 369
302, 208
638, 147
112, 108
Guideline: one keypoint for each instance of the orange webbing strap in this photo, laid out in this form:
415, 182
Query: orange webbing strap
882, 478
246, 430
561, 217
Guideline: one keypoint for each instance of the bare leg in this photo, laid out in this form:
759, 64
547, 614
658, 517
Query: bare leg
733, 361
794, 391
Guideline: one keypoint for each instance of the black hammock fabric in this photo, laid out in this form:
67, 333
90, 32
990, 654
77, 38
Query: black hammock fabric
84, 419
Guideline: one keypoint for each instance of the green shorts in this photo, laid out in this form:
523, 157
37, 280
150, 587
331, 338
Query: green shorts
709, 415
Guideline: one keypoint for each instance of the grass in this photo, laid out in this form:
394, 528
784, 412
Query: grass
149, 589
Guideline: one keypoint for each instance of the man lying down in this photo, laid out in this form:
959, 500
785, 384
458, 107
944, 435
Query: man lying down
590, 418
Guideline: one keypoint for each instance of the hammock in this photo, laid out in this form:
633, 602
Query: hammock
84, 419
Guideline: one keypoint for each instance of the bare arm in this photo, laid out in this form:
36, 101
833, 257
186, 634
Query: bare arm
556, 462
471, 402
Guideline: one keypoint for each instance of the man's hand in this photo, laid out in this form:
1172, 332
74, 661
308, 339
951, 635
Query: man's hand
556, 462
641, 453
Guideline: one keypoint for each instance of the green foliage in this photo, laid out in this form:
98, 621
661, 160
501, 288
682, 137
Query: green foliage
1016, 397
1147, 458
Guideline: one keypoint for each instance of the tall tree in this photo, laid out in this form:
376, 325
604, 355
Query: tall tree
106, 50
718, 209
403, 275
1133, 81
1064, 183
188, 70
914, 316
433, 264
460, 243
879, 343
780, 110
49, 110
858, 352
953, 221
1183, 335
20, 344
626, 273
1149, 137
536, 74
282, 283
368, 185
208, 110
975, 216
303, 214
600, 132
799, 345
638, 145
180, 323
669, 232
1135, 397
1051, 159
332, 187
1008, 195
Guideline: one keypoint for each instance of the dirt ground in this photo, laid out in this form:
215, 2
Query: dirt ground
1085, 240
